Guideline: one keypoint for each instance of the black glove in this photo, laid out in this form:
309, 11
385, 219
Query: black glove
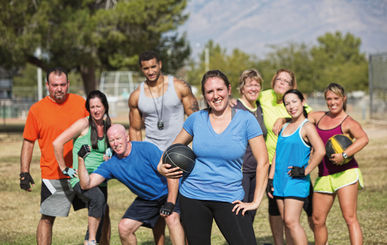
84, 151
269, 187
69, 172
26, 180
167, 208
297, 172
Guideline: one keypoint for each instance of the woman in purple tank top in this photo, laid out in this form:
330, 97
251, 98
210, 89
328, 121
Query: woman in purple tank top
336, 178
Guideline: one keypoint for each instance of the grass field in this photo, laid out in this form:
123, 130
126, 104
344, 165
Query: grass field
19, 213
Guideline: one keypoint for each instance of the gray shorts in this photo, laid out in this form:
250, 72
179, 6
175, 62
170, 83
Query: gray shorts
56, 197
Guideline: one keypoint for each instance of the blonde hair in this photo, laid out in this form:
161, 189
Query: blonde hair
338, 90
253, 74
293, 81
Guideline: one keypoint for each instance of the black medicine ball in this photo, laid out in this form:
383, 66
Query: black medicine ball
337, 144
180, 155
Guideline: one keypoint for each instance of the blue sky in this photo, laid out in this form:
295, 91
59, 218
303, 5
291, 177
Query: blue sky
253, 25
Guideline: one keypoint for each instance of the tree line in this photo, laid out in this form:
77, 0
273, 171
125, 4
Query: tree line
91, 36
335, 58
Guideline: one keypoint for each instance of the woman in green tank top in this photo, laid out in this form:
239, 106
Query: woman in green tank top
90, 131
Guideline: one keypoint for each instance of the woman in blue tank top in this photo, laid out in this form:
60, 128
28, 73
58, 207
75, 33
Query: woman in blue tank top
292, 164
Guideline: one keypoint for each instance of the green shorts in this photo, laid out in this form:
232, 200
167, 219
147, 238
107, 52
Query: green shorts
331, 183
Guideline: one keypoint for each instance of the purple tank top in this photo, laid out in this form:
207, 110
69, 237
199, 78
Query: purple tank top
326, 167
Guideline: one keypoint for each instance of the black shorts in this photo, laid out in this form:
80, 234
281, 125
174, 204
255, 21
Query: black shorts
147, 211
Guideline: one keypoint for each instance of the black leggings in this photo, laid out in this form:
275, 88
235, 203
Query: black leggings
197, 217
95, 199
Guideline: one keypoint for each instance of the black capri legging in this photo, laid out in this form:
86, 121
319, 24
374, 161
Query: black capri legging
197, 217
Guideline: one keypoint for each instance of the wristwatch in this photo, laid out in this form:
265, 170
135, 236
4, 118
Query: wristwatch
345, 156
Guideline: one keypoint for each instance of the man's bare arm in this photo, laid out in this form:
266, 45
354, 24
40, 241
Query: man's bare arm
87, 181
25, 162
184, 92
26, 155
135, 118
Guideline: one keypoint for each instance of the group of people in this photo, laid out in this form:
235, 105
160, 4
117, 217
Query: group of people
264, 142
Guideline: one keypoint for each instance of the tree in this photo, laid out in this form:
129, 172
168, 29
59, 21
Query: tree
295, 57
90, 35
232, 65
337, 58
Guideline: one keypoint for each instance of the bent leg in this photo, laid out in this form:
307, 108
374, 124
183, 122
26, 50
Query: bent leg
322, 204
96, 209
127, 229
176, 231
348, 203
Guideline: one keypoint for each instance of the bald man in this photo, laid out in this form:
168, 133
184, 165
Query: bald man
135, 165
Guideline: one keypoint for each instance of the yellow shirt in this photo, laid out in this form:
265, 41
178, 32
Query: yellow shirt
271, 112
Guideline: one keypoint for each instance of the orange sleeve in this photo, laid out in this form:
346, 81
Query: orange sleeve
31, 131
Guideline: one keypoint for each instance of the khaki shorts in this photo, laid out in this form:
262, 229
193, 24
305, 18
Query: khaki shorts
56, 197
331, 183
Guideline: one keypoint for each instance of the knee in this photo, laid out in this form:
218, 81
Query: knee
47, 220
172, 220
318, 220
97, 206
125, 229
350, 218
290, 222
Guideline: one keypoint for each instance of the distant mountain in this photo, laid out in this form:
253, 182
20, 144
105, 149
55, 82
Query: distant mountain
253, 25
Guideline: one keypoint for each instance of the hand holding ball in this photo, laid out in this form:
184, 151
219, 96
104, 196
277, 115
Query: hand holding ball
337, 144
179, 155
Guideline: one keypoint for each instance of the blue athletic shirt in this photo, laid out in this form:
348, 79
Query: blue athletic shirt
138, 171
217, 175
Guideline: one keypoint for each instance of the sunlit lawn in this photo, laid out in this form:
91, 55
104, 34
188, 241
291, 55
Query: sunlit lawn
19, 213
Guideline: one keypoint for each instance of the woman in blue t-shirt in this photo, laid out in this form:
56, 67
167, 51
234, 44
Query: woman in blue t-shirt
213, 190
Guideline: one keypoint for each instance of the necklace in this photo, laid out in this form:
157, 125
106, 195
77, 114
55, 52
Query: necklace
160, 123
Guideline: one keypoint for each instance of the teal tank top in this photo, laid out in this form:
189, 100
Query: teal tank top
291, 150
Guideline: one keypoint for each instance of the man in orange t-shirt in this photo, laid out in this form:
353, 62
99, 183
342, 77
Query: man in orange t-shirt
47, 119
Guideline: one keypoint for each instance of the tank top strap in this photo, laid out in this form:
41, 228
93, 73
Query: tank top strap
142, 93
170, 80
305, 121
321, 118
283, 128
343, 120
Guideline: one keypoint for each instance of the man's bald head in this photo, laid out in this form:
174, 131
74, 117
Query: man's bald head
119, 140
116, 128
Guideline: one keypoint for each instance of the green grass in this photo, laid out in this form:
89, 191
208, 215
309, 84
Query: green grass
19, 214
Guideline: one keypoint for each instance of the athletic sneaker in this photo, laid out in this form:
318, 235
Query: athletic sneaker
92, 242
